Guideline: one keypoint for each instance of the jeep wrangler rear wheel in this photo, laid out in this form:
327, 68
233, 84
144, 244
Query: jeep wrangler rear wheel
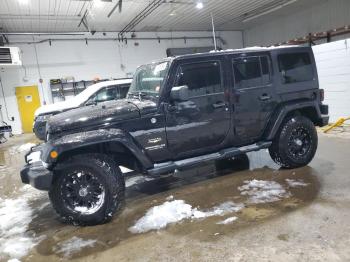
295, 144
87, 189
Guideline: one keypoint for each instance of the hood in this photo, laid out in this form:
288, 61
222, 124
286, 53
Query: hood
100, 115
56, 107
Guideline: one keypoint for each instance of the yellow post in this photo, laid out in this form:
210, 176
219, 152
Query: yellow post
336, 124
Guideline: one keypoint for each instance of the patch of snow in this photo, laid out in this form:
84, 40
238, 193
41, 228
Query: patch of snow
159, 217
13, 260
131, 181
125, 170
296, 183
260, 191
15, 217
74, 245
34, 157
220, 210
169, 198
227, 221
22, 148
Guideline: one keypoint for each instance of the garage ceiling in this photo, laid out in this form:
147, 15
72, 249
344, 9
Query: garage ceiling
48, 16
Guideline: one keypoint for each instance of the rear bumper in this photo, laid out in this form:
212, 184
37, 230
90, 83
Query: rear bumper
324, 115
324, 120
37, 176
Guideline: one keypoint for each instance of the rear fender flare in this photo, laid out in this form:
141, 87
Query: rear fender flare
278, 118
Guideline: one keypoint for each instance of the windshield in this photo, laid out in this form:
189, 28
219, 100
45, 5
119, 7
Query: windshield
148, 80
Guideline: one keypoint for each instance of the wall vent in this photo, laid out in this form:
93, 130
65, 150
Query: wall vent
10, 56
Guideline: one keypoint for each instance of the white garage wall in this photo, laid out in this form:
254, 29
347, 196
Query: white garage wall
105, 59
322, 16
333, 66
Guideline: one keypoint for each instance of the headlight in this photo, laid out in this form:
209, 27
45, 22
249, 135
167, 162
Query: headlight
43, 118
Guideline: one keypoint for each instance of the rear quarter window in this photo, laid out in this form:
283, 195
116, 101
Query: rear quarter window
295, 67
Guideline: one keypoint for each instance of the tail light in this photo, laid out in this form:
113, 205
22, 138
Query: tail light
321, 95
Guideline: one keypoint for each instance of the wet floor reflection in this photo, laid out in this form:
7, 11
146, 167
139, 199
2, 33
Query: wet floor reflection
203, 187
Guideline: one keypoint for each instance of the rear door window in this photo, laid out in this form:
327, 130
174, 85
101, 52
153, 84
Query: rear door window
251, 71
295, 67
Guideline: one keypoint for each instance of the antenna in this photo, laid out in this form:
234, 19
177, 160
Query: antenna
213, 26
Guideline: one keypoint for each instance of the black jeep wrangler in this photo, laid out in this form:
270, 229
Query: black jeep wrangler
180, 112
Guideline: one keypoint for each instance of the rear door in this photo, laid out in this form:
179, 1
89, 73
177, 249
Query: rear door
254, 96
202, 123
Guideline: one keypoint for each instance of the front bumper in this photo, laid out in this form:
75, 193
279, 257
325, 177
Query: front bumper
37, 176
34, 172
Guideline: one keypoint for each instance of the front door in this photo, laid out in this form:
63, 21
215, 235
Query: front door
28, 101
201, 123
254, 97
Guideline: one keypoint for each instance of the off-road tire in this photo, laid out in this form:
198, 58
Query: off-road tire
107, 174
280, 150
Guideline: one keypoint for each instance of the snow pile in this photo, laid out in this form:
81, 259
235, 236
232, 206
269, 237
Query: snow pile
227, 221
260, 191
15, 216
159, 217
296, 183
74, 245
22, 148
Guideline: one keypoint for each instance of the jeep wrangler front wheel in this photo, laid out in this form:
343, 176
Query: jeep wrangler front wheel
295, 144
87, 189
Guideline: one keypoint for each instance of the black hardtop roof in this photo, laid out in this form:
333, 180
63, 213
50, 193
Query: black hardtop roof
243, 50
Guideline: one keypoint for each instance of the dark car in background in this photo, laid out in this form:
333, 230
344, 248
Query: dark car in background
97, 93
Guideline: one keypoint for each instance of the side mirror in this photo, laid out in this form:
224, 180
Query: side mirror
179, 93
90, 102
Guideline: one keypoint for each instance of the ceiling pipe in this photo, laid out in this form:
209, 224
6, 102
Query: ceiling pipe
158, 39
30, 34
140, 17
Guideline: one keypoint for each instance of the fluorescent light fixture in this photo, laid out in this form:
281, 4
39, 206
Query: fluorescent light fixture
23, 2
268, 11
199, 5
97, 3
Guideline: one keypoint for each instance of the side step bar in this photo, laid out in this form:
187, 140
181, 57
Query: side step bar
171, 166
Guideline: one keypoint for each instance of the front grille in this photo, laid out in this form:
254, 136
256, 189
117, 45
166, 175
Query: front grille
5, 56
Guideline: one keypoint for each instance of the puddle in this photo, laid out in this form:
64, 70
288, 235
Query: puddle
203, 189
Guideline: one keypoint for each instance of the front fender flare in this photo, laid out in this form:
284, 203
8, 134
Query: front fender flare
65, 144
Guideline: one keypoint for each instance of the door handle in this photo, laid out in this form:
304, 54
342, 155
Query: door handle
219, 105
264, 97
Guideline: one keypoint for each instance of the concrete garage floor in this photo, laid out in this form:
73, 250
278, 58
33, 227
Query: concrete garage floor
310, 223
